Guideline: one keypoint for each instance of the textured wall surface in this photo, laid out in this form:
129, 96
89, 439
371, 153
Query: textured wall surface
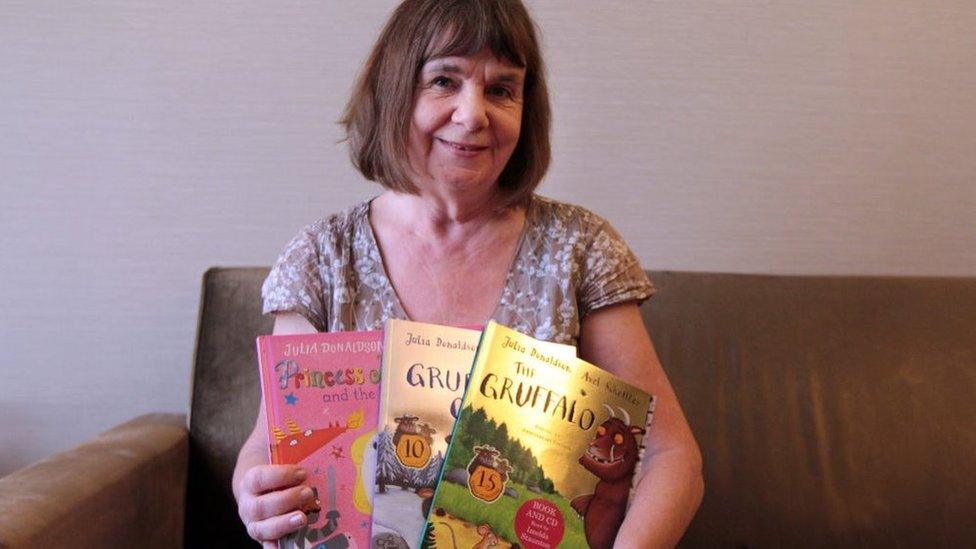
145, 141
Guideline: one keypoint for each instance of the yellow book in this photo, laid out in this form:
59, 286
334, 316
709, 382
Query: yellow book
543, 453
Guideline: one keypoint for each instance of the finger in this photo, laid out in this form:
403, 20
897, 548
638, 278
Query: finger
275, 527
276, 503
265, 478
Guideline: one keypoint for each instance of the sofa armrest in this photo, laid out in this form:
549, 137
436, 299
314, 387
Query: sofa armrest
126, 486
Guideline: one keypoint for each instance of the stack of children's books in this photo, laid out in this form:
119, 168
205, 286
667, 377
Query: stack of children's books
423, 435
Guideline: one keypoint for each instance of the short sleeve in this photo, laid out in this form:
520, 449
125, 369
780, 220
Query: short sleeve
612, 273
295, 282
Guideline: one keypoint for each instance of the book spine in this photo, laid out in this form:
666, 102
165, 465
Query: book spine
265, 369
386, 375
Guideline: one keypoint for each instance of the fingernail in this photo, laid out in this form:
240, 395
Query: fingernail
301, 474
297, 519
306, 493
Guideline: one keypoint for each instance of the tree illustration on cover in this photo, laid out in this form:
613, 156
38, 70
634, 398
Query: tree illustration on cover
297, 444
611, 456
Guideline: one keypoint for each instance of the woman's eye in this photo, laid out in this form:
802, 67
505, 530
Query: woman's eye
441, 82
500, 92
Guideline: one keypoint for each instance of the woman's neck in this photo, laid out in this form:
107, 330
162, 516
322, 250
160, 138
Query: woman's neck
441, 218
448, 263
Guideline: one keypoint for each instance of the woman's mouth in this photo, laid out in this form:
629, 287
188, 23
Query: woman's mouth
462, 149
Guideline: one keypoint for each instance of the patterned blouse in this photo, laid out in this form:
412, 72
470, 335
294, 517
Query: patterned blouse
569, 263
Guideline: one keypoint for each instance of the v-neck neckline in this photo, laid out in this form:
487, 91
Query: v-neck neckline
377, 257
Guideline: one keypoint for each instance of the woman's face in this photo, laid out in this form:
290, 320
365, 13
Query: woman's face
466, 122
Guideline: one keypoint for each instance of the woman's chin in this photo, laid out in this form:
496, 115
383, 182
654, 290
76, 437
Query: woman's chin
462, 182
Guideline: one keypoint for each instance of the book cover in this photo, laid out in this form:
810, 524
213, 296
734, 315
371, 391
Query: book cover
321, 396
543, 454
425, 371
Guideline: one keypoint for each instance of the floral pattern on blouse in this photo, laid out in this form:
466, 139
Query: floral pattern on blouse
569, 262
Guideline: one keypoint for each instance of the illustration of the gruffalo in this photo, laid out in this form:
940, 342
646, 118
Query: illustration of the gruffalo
413, 441
611, 456
406, 425
487, 474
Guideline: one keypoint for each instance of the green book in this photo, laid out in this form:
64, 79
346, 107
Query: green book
544, 453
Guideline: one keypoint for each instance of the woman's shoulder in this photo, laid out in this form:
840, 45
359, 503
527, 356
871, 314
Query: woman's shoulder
339, 224
336, 233
558, 217
585, 235
329, 242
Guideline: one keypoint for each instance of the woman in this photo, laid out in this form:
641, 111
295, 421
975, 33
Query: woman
451, 116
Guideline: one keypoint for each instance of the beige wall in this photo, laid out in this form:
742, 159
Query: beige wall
142, 142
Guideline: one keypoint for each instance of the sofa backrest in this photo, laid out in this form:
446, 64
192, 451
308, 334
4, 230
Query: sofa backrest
226, 394
829, 410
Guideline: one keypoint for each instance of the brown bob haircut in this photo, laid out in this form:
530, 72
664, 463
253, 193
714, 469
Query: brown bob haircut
378, 116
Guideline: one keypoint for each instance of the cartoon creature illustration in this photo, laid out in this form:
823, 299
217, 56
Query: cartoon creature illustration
297, 444
484, 456
488, 538
406, 425
611, 456
503, 468
487, 474
314, 507
413, 448
427, 432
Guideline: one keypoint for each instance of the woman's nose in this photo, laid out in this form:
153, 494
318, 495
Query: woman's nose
471, 110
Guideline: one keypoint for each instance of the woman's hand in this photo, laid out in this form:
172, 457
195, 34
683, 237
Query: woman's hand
270, 501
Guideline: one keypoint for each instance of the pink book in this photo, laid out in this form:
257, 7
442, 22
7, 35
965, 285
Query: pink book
321, 397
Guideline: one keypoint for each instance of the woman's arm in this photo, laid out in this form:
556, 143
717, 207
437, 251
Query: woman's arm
671, 489
268, 494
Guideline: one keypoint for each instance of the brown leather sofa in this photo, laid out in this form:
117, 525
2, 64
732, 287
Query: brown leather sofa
831, 411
